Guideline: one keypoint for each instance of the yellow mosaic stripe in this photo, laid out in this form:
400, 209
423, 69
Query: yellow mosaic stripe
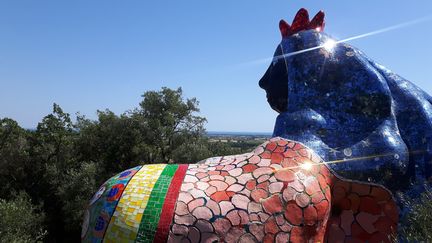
125, 222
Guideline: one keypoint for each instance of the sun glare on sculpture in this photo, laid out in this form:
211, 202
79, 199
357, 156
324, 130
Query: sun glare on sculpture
329, 45
306, 166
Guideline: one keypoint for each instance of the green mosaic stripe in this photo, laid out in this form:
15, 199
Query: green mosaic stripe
151, 215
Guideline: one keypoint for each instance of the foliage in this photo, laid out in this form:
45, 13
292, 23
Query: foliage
20, 220
417, 222
60, 165
114, 141
51, 154
14, 158
81, 184
169, 122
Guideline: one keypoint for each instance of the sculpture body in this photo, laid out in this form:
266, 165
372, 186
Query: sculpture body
280, 192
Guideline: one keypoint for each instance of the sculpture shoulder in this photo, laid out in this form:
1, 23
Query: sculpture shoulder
274, 150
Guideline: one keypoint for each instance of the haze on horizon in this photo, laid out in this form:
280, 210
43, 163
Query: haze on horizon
94, 55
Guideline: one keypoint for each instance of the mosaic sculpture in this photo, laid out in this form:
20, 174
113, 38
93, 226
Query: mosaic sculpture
314, 181
280, 192
344, 106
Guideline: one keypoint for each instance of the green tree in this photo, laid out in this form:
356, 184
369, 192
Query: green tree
20, 220
54, 139
164, 128
78, 186
170, 123
14, 158
114, 142
52, 155
416, 223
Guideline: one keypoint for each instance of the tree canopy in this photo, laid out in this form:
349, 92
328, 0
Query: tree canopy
52, 171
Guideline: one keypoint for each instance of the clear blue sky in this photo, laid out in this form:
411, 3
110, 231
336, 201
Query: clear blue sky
89, 55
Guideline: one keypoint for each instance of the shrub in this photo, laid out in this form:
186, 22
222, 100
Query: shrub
417, 226
20, 220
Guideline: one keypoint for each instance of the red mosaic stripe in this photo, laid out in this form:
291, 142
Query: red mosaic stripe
167, 213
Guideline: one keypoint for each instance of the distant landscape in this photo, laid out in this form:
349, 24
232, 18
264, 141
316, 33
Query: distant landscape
239, 134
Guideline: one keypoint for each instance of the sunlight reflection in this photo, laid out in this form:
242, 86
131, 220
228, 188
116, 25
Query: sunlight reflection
329, 45
308, 165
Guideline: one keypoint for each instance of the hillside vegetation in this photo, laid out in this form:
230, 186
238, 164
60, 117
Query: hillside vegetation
49, 174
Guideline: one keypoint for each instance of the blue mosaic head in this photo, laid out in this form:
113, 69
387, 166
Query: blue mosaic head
373, 124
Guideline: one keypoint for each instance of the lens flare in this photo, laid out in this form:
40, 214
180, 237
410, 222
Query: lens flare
330, 45
306, 166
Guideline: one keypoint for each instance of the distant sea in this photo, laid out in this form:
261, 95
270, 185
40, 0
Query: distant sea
222, 133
